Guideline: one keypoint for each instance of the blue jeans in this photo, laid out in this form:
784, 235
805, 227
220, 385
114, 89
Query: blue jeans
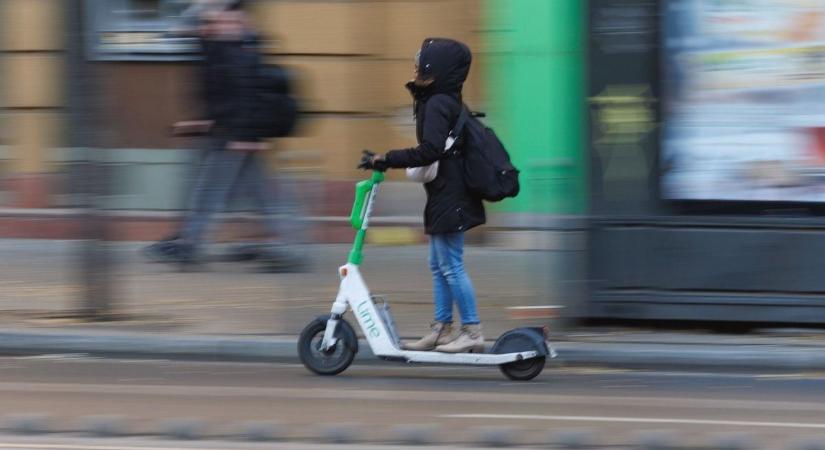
223, 171
450, 281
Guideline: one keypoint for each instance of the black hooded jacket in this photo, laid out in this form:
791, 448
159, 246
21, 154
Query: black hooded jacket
230, 77
450, 206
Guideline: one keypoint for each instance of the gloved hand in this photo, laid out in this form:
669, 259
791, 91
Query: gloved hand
371, 161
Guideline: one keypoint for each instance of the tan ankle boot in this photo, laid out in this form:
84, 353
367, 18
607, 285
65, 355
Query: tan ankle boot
441, 333
470, 340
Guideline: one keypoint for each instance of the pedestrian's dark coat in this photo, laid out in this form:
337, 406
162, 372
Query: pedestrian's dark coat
450, 206
231, 84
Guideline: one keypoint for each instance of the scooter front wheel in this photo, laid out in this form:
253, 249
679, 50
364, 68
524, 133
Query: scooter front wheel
331, 361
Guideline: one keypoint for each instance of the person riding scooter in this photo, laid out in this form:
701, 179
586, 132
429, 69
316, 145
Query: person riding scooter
442, 66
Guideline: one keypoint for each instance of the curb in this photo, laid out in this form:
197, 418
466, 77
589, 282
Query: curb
693, 356
174, 433
144, 345
283, 349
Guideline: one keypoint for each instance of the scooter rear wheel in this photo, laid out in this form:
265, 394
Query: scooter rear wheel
521, 340
523, 370
334, 360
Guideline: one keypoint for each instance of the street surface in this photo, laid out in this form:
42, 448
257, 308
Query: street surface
39, 286
615, 405
16, 443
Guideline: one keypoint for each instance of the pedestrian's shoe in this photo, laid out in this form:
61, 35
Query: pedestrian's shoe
161, 251
280, 260
173, 252
244, 252
441, 333
469, 340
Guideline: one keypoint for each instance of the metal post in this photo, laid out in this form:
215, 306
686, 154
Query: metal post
90, 175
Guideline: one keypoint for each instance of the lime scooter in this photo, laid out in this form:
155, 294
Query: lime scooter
328, 344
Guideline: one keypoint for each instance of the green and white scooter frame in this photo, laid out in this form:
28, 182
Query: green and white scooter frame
354, 294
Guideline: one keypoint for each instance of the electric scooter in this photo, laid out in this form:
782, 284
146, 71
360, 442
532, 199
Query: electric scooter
328, 344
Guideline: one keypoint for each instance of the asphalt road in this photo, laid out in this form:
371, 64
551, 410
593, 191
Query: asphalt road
64, 443
615, 405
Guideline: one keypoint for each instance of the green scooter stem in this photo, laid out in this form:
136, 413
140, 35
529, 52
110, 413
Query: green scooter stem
358, 217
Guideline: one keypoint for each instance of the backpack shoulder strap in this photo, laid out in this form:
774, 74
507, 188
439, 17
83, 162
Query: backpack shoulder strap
460, 122
458, 129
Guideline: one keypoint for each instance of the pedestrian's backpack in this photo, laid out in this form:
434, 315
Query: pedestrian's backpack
278, 107
488, 172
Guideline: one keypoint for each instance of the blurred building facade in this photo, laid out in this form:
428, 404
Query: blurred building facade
582, 92
33, 98
352, 59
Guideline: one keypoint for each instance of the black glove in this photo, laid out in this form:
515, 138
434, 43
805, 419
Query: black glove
368, 162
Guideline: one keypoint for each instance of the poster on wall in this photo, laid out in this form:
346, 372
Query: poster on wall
623, 100
142, 29
743, 102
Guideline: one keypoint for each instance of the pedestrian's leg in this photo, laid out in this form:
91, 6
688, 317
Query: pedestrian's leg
196, 178
245, 185
290, 211
259, 185
282, 220
221, 169
169, 246
285, 252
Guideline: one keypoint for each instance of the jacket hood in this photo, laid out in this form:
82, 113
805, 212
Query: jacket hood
446, 62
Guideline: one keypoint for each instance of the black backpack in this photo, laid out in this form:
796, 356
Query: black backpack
488, 172
278, 108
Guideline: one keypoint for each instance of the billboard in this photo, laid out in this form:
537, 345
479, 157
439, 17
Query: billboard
743, 102
142, 29
623, 105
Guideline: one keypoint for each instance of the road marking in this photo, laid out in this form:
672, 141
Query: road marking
73, 357
560, 370
88, 447
208, 445
521, 383
790, 376
358, 393
623, 386
637, 420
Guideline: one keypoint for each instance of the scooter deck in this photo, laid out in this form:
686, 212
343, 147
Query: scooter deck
475, 359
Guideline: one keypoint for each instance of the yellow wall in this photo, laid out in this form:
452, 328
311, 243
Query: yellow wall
354, 57
31, 81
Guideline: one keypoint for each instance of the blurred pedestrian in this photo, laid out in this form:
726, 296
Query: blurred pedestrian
231, 92
442, 66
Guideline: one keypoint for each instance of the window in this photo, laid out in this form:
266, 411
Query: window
141, 29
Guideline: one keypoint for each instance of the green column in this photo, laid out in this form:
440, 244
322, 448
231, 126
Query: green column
535, 86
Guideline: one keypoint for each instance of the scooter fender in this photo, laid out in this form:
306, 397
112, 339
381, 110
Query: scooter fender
344, 330
508, 342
